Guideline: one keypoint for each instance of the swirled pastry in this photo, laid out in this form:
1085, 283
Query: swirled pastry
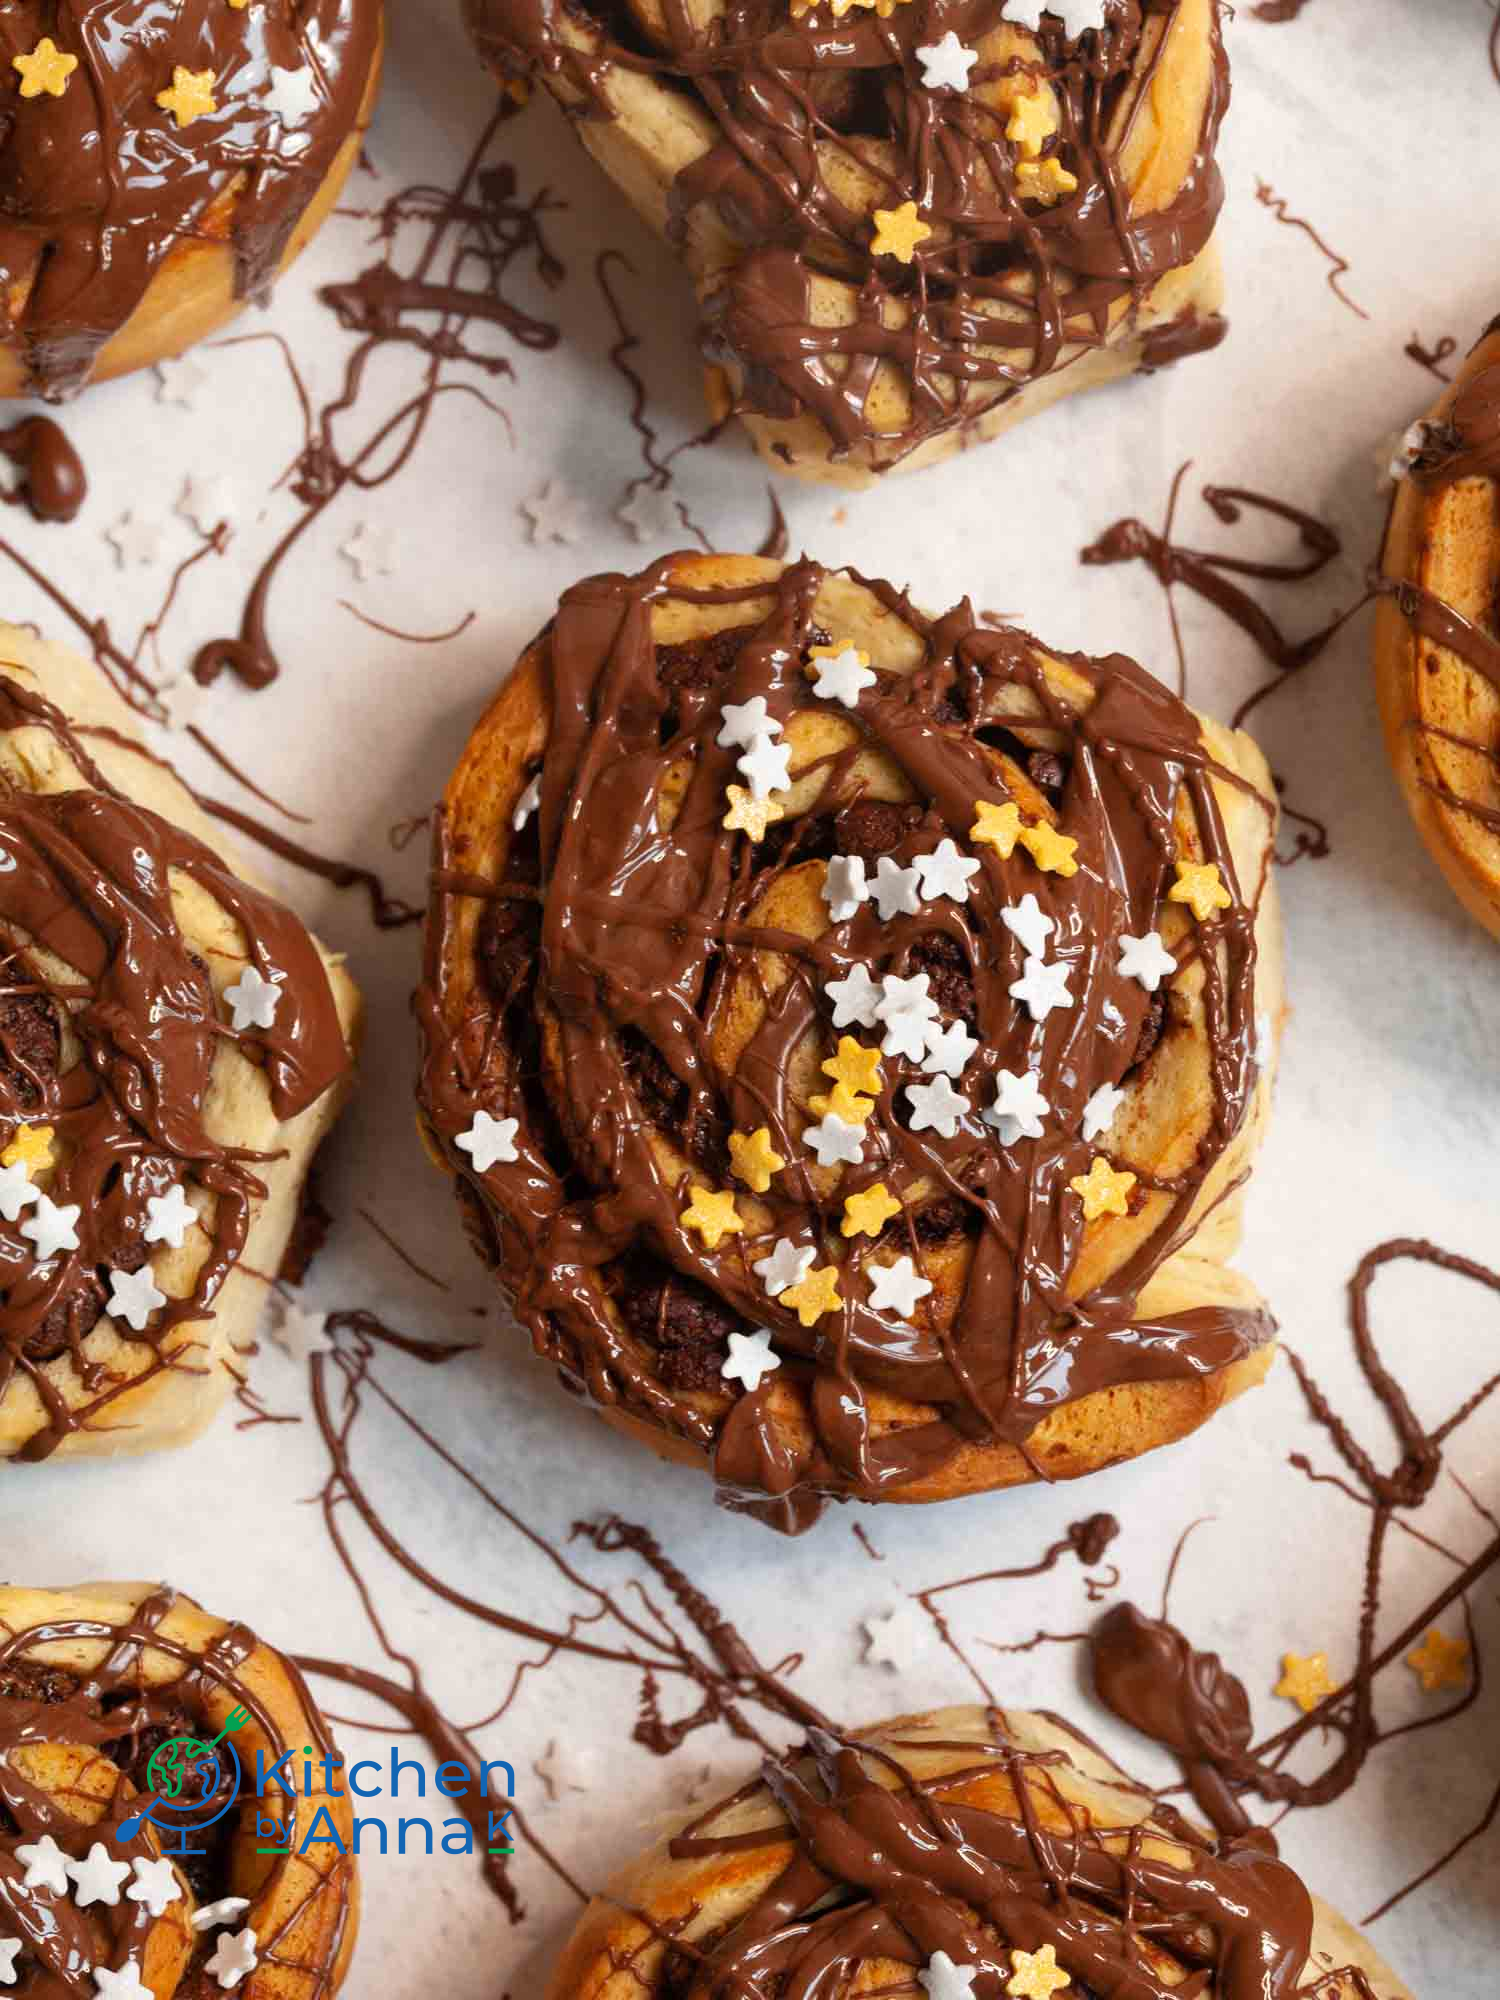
968, 1841
1437, 633
114, 1699
850, 1032
909, 226
174, 1045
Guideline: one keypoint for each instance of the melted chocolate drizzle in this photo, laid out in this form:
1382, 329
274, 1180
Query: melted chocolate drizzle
52, 483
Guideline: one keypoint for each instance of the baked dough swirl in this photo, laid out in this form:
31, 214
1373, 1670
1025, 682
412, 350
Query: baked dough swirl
94, 1681
891, 267
154, 1137
900, 1096
1001, 1841
1437, 633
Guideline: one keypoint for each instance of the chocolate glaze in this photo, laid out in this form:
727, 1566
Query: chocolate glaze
795, 95
584, 1222
87, 879
111, 1715
53, 483
99, 185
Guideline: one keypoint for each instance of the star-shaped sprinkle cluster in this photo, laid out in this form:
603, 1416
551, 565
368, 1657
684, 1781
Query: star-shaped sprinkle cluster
46, 68
136, 539
945, 872
1099, 1112
936, 1107
650, 513
10, 1951
1440, 1662
300, 1334
1103, 1190
34, 1148
898, 232
836, 1140
713, 1216
526, 804
1019, 1106
369, 551
753, 1160
845, 888
1077, 16
133, 1297
1305, 1679
751, 1358
786, 1266
1042, 987
1036, 1974
840, 673
234, 1958
997, 826
946, 63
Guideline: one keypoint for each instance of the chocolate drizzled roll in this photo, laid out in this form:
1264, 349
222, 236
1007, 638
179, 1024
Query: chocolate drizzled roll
971, 1850
131, 227
114, 1700
884, 1135
174, 1045
1437, 633
910, 226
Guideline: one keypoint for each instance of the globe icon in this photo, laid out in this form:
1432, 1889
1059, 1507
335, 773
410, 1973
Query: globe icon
194, 1784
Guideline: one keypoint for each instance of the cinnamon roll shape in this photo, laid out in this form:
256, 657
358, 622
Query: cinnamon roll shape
1437, 631
111, 1695
823, 1050
994, 1842
909, 226
174, 1045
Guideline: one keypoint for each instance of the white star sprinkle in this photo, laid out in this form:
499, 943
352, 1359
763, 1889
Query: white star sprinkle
1019, 1106
133, 1297
943, 1980
894, 890
897, 1287
300, 1334
787, 1265
97, 1878
16, 1191
743, 723
489, 1141
253, 1001
51, 1229
207, 500
169, 1217
896, 1638
1145, 959
834, 1139
946, 64
527, 803
46, 1866
1099, 1112
856, 998
126, 1984
224, 1911
650, 514
945, 872
234, 1956
369, 551
135, 539
1042, 987
179, 381
564, 1767
845, 887
155, 1885
10, 1951
767, 765
949, 1050
554, 514
843, 677
936, 1107
906, 1012
293, 94
1077, 17
750, 1358
1027, 921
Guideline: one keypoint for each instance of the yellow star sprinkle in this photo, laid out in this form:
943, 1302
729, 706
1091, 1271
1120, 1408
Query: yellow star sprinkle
239, 6
898, 231
46, 68
714, 1216
1051, 851
754, 1161
31, 1148
1198, 885
817, 1294
1032, 122
748, 814
191, 95
843, 1103
1102, 1190
1045, 180
1305, 1681
1440, 1662
855, 1066
867, 1214
996, 826
1037, 1974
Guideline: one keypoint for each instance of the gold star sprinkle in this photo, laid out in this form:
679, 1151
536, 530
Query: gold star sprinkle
1051, 851
1305, 1681
191, 95
754, 1161
1031, 121
239, 6
1440, 1662
1037, 1974
843, 1103
1198, 885
31, 1148
748, 814
1102, 1190
867, 1214
996, 826
1044, 180
817, 1294
855, 1066
46, 68
714, 1216
898, 231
